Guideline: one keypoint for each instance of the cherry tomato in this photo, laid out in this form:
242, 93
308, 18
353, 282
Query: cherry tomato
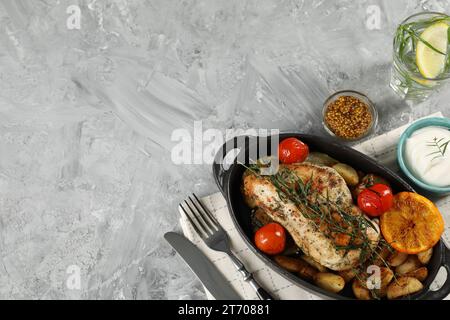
368, 181
370, 203
292, 150
271, 238
376, 200
385, 194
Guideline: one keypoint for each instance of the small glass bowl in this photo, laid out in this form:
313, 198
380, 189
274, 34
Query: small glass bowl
359, 96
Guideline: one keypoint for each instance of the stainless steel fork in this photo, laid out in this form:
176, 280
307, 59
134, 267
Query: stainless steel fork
216, 238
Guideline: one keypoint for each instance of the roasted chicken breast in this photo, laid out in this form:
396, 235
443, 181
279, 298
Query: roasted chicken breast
329, 187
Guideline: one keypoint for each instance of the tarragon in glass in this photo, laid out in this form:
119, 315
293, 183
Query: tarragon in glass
413, 55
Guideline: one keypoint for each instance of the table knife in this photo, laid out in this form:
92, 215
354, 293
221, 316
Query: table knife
202, 267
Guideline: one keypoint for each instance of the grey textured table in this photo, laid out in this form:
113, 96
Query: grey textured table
87, 109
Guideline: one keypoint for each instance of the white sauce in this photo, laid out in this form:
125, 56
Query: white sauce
425, 160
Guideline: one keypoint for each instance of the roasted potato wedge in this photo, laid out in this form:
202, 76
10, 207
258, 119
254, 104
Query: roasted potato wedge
420, 274
288, 263
321, 159
386, 276
348, 173
411, 263
425, 256
397, 258
360, 292
403, 286
329, 281
307, 272
304, 270
313, 263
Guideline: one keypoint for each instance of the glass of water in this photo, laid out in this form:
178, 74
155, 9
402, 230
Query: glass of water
421, 55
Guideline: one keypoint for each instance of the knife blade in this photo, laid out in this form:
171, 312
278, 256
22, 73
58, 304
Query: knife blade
202, 267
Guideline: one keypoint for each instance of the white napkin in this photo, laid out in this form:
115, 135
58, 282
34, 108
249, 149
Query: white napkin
382, 148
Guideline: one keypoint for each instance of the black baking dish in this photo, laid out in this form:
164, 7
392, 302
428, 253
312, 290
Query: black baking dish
229, 181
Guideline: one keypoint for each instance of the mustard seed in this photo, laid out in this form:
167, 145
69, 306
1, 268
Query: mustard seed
348, 117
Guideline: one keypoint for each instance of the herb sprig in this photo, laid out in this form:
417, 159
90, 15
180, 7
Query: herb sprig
413, 34
440, 145
407, 38
319, 209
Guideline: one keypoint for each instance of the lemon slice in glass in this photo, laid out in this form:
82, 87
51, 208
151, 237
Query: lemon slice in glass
431, 63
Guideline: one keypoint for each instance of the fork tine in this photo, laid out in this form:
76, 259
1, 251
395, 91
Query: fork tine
208, 214
199, 217
194, 224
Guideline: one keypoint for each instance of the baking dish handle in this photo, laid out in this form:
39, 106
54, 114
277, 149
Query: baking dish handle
220, 164
247, 149
443, 291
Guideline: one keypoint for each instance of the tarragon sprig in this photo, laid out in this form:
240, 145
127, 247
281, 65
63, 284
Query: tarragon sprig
440, 145
316, 206
414, 34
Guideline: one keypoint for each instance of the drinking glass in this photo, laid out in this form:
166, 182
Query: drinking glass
406, 79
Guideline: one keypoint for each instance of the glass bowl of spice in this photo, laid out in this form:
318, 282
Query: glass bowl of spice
349, 115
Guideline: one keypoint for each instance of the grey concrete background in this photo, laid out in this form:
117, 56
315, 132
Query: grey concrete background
86, 116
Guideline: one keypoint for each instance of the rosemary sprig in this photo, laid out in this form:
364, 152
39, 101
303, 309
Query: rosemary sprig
440, 146
318, 208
